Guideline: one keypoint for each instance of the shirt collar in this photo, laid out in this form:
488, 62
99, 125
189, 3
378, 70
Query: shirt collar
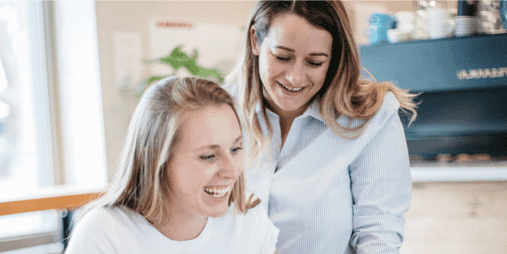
313, 110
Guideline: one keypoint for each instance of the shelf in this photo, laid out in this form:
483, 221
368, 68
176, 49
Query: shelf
458, 174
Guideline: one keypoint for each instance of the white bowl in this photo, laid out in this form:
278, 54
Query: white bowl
396, 35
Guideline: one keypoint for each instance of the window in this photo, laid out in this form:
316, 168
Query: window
51, 127
25, 160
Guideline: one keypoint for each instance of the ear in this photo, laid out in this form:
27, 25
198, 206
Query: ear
253, 41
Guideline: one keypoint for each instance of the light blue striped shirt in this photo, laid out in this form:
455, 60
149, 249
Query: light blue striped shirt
335, 195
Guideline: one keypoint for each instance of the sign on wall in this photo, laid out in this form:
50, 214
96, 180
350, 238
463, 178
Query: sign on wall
213, 46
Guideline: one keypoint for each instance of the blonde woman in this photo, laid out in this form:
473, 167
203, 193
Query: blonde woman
330, 161
180, 187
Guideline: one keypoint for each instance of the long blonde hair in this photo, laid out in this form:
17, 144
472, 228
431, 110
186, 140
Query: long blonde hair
345, 91
141, 182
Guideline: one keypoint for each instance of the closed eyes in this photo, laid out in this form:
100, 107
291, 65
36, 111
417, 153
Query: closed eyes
286, 59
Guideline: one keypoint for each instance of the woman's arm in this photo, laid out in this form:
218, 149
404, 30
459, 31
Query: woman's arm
381, 190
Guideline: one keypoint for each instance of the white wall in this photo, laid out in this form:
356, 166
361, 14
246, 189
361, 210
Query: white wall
133, 16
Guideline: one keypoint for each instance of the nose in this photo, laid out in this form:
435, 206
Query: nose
295, 74
230, 168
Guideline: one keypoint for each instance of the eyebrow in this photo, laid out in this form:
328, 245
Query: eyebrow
292, 50
217, 146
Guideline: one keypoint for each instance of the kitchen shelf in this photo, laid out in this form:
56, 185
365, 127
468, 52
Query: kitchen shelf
459, 174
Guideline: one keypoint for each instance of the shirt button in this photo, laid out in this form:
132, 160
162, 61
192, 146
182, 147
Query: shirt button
265, 182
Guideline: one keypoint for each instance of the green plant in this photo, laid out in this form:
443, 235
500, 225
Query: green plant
178, 59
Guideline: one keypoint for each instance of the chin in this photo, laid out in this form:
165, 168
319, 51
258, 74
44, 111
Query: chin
215, 208
291, 108
218, 211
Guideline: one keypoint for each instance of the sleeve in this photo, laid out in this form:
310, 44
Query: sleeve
91, 235
381, 187
269, 233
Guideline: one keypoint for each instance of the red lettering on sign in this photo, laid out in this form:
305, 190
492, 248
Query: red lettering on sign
174, 24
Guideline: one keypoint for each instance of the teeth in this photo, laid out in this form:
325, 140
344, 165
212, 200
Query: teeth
217, 192
292, 89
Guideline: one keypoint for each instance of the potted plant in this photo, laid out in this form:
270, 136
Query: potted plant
177, 60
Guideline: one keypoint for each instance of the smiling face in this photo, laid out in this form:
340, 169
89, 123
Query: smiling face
293, 61
206, 162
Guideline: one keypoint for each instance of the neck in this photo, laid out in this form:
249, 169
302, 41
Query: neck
181, 227
286, 118
285, 125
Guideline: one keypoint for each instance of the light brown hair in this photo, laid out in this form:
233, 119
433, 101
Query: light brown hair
140, 183
345, 91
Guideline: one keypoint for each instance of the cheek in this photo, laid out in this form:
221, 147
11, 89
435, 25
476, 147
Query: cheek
263, 67
179, 183
319, 76
239, 166
191, 178
268, 67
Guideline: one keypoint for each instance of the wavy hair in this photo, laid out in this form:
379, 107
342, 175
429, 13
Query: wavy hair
140, 183
345, 91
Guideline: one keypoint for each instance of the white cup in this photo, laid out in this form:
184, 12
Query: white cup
393, 35
397, 35
405, 21
466, 25
440, 23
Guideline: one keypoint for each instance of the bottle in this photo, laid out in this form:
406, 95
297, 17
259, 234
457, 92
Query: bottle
466, 21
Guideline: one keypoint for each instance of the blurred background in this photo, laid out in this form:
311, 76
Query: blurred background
71, 73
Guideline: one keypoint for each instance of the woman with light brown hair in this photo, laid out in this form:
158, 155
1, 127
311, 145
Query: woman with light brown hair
179, 187
328, 153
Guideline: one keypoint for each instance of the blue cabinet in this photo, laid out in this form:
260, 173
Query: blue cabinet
463, 86
442, 64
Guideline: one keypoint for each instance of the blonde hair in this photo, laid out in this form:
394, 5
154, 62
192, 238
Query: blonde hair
140, 183
345, 91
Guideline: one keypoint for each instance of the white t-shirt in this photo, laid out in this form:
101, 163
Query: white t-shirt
120, 230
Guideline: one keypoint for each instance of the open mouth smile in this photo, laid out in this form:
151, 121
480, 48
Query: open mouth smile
291, 89
217, 192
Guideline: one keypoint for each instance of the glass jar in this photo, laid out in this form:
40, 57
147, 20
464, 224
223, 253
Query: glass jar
489, 18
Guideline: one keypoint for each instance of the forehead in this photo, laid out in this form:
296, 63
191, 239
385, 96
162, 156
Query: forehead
293, 30
212, 125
